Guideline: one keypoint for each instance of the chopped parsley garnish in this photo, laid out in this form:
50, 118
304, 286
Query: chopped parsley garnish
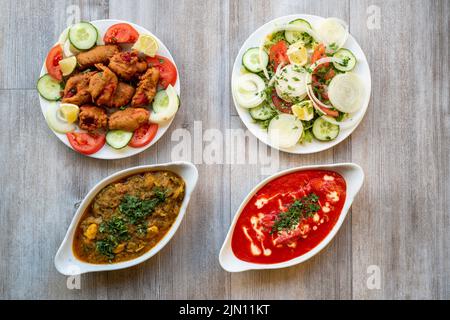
135, 209
304, 208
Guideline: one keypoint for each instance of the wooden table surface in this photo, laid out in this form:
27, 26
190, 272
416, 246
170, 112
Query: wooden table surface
399, 222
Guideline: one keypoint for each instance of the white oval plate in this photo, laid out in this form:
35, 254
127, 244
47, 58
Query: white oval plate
68, 264
108, 152
361, 69
354, 178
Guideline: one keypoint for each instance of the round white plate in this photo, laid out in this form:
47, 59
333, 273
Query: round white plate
361, 69
108, 152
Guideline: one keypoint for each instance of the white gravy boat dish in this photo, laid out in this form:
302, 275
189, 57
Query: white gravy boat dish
65, 260
354, 177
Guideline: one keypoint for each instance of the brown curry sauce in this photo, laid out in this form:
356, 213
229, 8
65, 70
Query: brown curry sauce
129, 217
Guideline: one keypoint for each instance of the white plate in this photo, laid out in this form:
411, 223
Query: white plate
361, 69
108, 152
65, 260
354, 178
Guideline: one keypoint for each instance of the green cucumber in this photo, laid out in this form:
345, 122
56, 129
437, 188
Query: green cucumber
324, 131
348, 60
262, 112
49, 88
118, 139
83, 35
294, 36
252, 62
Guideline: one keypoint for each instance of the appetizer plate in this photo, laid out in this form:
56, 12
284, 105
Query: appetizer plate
108, 152
354, 177
361, 69
65, 260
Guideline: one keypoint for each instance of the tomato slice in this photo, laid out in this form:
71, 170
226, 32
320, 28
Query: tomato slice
167, 70
329, 112
143, 135
52, 62
120, 33
278, 54
86, 143
280, 104
318, 54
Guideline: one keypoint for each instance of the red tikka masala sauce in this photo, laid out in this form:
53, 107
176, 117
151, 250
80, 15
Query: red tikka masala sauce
289, 216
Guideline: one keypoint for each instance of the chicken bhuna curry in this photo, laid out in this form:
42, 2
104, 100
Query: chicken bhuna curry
129, 217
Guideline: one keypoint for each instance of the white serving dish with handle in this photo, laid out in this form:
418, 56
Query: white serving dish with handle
65, 260
354, 177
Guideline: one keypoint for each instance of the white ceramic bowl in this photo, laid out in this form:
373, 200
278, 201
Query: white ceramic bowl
108, 152
361, 69
354, 177
65, 260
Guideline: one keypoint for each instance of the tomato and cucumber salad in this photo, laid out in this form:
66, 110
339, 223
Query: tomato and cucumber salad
301, 77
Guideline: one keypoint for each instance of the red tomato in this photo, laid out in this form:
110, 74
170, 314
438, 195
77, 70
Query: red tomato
278, 54
280, 104
86, 143
143, 135
329, 75
120, 33
329, 112
167, 70
318, 53
52, 62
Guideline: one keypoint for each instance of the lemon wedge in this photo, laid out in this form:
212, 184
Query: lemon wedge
69, 112
146, 44
303, 110
68, 65
297, 53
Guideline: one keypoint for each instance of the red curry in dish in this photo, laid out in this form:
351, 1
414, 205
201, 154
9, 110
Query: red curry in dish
289, 216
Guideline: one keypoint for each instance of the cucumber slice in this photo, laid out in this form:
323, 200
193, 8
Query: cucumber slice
348, 60
262, 112
49, 88
252, 62
294, 36
324, 131
165, 105
285, 130
83, 35
118, 139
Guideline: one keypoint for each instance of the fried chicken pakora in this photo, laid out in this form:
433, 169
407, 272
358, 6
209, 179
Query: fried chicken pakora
129, 119
146, 89
127, 64
92, 118
99, 54
102, 85
122, 96
76, 90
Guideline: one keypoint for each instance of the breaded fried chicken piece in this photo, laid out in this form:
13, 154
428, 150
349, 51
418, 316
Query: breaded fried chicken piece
146, 89
76, 90
102, 86
127, 64
129, 119
122, 96
99, 54
92, 118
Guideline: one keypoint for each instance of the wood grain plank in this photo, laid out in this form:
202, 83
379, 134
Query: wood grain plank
401, 214
200, 49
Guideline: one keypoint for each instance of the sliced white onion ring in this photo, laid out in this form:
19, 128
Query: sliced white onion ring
345, 92
248, 90
333, 31
285, 130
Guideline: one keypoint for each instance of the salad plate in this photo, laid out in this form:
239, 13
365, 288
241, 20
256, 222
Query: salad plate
301, 83
120, 144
